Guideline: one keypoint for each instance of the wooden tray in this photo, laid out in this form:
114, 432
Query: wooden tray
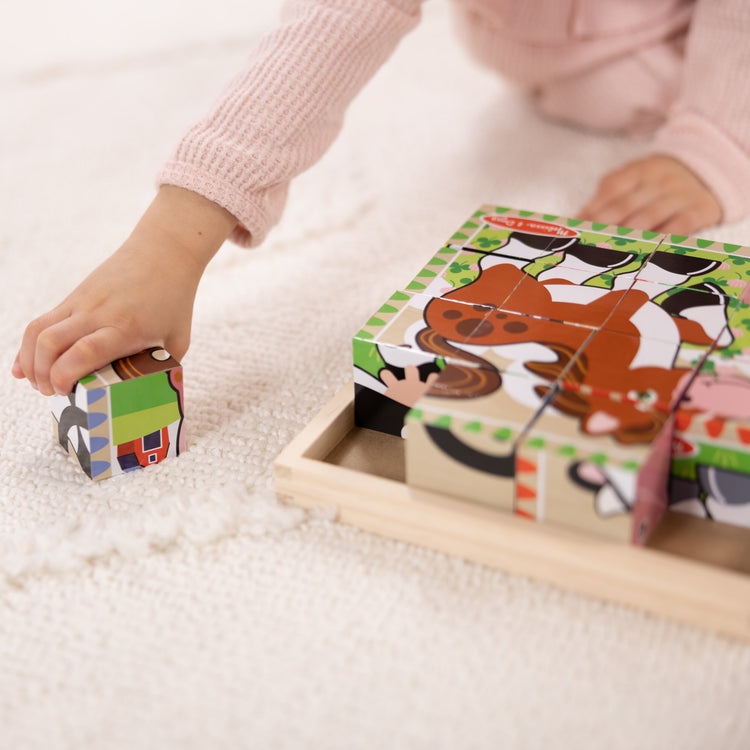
693, 570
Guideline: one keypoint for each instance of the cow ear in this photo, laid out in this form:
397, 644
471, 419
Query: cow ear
600, 422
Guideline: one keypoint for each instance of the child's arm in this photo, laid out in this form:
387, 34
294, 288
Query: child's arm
274, 120
283, 110
707, 136
141, 296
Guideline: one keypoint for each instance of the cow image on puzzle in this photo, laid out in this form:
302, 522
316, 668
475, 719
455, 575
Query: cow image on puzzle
124, 416
550, 366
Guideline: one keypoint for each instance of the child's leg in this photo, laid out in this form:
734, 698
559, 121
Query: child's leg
629, 94
610, 84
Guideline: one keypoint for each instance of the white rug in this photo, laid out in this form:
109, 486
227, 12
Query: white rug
183, 606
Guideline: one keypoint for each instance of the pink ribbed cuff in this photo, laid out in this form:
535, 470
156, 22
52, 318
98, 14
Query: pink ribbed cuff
255, 218
283, 110
720, 162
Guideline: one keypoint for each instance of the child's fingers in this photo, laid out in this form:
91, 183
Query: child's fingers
24, 365
637, 209
653, 215
50, 344
17, 370
627, 203
657, 193
89, 353
626, 210
690, 220
611, 190
674, 212
647, 206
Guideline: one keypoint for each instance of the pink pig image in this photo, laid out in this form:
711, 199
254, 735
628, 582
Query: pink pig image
724, 395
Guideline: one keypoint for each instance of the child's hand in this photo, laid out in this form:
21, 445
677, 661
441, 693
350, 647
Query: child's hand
657, 193
141, 296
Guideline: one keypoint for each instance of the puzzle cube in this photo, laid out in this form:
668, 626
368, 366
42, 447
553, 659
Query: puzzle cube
466, 447
124, 416
710, 472
546, 361
592, 482
529, 457
482, 266
393, 360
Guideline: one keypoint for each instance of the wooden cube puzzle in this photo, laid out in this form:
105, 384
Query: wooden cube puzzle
124, 416
561, 370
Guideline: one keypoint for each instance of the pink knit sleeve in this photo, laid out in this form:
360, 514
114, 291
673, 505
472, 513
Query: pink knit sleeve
709, 126
284, 109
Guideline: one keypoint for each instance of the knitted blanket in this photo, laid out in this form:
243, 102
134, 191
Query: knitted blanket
183, 606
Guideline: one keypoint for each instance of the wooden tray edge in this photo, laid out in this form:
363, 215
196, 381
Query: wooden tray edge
662, 584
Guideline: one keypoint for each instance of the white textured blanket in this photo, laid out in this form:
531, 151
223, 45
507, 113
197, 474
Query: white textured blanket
182, 606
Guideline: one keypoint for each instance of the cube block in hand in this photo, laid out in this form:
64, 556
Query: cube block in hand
124, 416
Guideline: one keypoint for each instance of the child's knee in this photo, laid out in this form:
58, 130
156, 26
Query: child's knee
572, 80
631, 94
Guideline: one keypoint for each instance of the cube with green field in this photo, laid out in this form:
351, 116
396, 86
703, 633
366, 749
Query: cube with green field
123, 417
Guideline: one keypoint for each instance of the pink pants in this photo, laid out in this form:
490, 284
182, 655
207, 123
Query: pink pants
620, 84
